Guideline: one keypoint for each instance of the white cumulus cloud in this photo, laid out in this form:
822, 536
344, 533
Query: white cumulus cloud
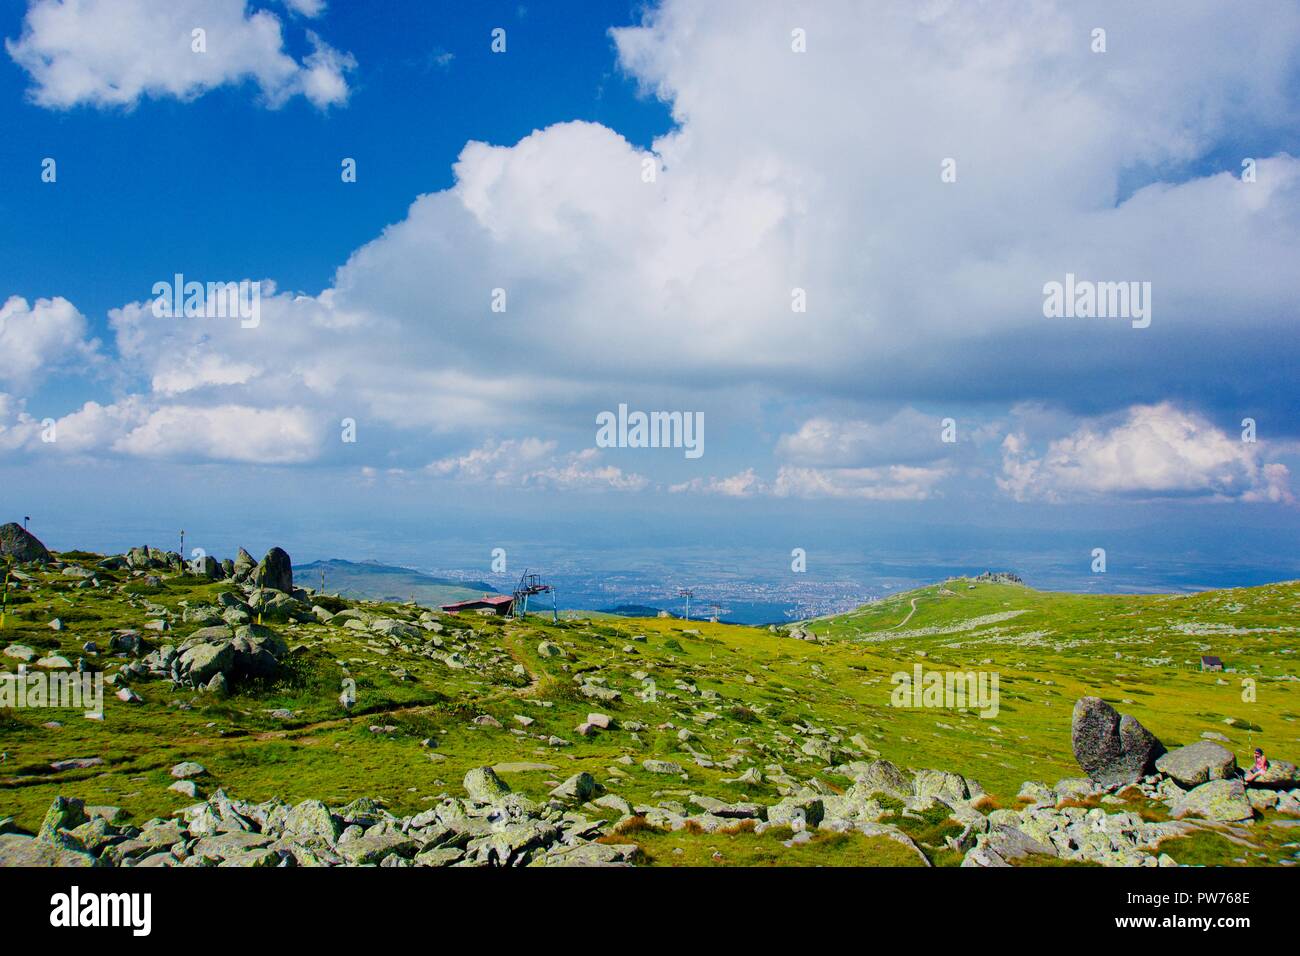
533, 462
1157, 451
114, 52
886, 483
41, 338
745, 484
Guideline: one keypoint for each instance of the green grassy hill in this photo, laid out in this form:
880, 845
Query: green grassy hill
723, 699
1139, 652
381, 582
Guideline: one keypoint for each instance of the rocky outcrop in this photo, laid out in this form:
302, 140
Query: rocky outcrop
505, 830
244, 566
1198, 763
145, 558
1071, 833
1223, 801
1113, 750
19, 544
219, 654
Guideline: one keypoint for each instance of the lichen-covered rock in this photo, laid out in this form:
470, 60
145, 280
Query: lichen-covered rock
18, 850
200, 663
881, 776
1279, 775
579, 788
1223, 801
65, 813
1198, 763
484, 786
1113, 750
798, 811
662, 766
311, 818
951, 788
590, 854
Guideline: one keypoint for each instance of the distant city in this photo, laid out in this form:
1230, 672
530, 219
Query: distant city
744, 589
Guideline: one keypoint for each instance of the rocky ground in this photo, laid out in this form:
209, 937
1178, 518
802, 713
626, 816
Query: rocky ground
493, 826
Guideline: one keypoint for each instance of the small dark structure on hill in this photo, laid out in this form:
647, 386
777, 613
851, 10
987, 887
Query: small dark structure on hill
497, 603
1211, 663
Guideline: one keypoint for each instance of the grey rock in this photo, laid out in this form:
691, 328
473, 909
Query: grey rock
1113, 750
186, 788
311, 818
18, 850
1223, 801
663, 766
881, 776
579, 788
20, 545
1198, 763
484, 786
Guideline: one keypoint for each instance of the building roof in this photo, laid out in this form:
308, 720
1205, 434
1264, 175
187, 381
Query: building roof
1210, 659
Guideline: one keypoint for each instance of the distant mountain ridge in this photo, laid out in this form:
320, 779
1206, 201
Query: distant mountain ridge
374, 581
632, 610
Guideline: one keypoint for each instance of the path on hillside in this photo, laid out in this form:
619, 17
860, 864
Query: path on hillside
906, 619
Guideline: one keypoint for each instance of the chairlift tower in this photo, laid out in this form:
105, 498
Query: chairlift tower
530, 584
688, 594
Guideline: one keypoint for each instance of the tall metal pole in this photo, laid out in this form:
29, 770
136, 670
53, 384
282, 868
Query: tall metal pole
4, 601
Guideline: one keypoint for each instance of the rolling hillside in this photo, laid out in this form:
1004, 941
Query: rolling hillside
741, 715
381, 582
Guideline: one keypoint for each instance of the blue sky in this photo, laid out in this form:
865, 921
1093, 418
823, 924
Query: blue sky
778, 170
221, 185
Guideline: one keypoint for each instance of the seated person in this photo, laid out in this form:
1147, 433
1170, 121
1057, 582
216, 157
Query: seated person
1261, 764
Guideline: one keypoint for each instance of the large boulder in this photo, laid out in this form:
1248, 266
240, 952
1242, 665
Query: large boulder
1198, 763
798, 811
1113, 750
311, 818
19, 544
17, 850
579, 788
881, 776
145, 558
200, 663
484, 786
1224, 801
258, 651
276, 571
273, 605
207, 567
